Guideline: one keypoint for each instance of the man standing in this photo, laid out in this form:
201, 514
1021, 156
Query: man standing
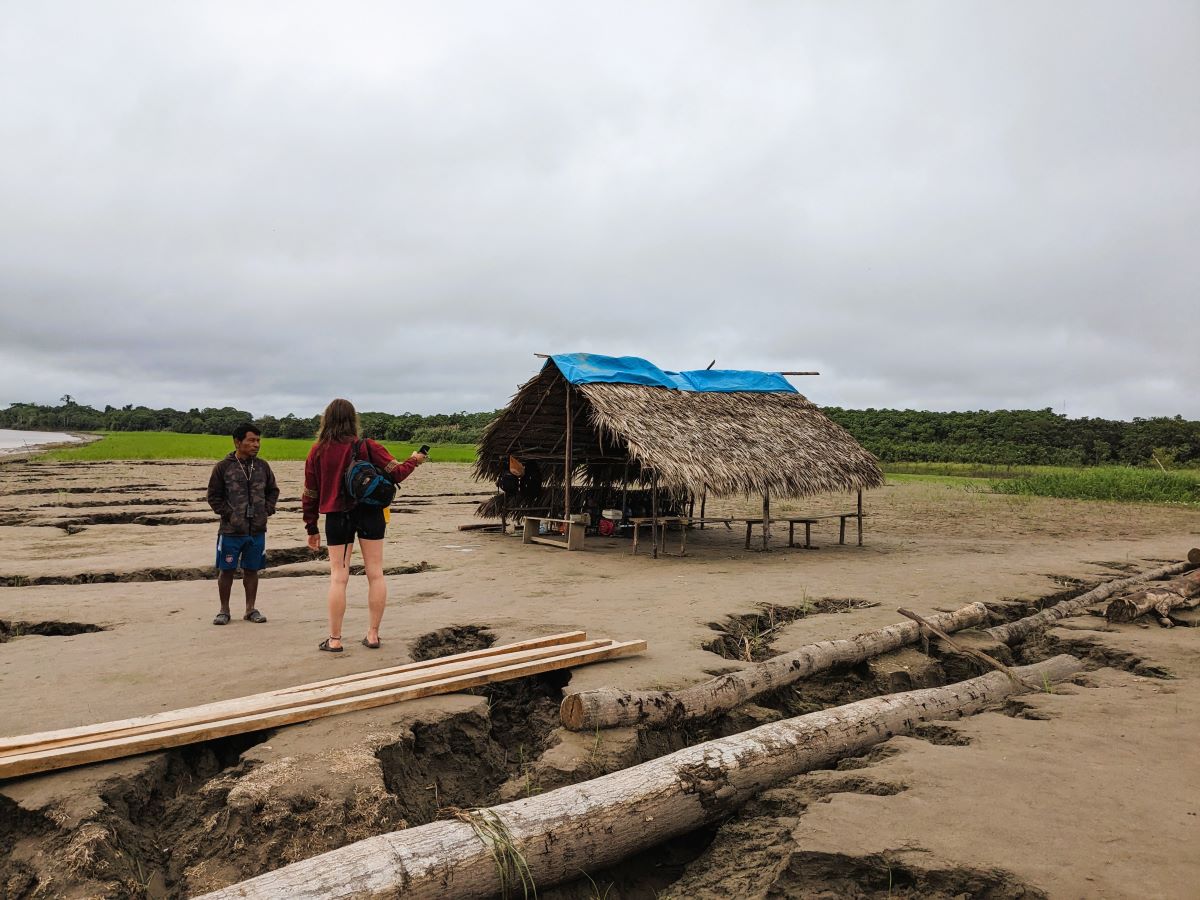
243, 492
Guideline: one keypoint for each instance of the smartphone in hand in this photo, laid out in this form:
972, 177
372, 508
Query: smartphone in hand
424, 451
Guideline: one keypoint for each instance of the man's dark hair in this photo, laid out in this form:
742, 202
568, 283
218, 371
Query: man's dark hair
239, 433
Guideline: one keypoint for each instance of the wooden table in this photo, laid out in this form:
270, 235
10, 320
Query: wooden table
808, 522
661, 522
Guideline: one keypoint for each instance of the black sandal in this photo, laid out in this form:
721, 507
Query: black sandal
326, 646
368, 644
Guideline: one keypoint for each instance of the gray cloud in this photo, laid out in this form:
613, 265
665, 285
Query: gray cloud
937, 205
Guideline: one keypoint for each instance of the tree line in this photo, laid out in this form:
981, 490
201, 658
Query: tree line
1020, 437
443, 428
1001, 437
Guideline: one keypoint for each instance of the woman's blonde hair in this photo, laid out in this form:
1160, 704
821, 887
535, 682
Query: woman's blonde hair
339, 423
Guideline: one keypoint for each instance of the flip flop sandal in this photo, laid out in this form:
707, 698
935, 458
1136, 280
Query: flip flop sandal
374, 646
221, 619
255, 616
324, 645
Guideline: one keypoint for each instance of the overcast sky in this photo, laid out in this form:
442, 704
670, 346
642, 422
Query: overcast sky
938, 205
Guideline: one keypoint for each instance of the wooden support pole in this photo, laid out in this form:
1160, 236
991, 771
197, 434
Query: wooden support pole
567, 460
703, 501
860, 517
544, 840
654, 511
766, 523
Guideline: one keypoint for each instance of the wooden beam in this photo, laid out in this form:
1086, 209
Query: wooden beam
10, 744
99, 750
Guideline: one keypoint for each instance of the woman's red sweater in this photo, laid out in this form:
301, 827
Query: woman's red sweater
325, 468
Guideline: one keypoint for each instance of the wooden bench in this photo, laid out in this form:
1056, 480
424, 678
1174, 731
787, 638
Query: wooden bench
808, 522
572, 541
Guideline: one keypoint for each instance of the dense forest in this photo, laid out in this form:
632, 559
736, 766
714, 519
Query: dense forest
1003, 437
444, 428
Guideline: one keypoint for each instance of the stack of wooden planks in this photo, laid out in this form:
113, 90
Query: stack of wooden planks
31, 753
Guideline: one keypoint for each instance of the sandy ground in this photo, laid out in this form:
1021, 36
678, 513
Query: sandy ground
1093, 791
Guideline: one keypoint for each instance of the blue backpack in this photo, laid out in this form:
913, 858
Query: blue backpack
365, 483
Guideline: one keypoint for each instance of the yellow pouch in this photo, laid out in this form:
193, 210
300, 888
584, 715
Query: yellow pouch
387, 514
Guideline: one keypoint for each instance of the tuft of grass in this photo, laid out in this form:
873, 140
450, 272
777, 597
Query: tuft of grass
1120, 485
118, 445
510, 862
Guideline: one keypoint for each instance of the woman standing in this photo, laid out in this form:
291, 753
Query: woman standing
324, 495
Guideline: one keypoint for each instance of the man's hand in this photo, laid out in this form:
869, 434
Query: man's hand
314, 542
417, 458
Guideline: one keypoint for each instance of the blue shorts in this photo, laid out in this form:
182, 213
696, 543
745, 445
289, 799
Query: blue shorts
251, 549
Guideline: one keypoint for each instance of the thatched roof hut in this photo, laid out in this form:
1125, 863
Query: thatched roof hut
622, 420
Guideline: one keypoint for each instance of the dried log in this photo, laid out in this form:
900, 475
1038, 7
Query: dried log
1178, 593
612, 707
552, 837
1018, 630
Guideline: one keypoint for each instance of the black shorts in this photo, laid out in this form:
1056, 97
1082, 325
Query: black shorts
365, 521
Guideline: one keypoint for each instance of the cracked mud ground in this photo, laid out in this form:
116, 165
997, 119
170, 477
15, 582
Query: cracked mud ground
1084, 792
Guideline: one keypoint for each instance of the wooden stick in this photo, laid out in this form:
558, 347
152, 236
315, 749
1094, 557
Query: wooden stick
598, 823
554, 641
97, 751
977, 655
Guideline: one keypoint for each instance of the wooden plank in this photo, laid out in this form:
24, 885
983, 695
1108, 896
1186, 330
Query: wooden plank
101, 750
575, 533
273, 701
549, 542
8, 745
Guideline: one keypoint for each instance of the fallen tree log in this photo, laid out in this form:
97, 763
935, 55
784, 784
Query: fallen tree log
612, 707
1018, 630
1178, 593
550, 838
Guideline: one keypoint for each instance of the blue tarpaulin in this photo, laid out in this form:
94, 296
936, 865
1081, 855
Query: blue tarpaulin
591, 368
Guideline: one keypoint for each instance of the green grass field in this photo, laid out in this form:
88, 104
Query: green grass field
1119, 484
171, 445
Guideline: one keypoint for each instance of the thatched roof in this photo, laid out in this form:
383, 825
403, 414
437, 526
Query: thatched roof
729, 443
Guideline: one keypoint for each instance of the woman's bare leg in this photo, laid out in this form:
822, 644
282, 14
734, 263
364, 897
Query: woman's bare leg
339, 576
372, 552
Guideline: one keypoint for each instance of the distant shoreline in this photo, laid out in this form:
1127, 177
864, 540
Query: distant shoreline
14, 442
